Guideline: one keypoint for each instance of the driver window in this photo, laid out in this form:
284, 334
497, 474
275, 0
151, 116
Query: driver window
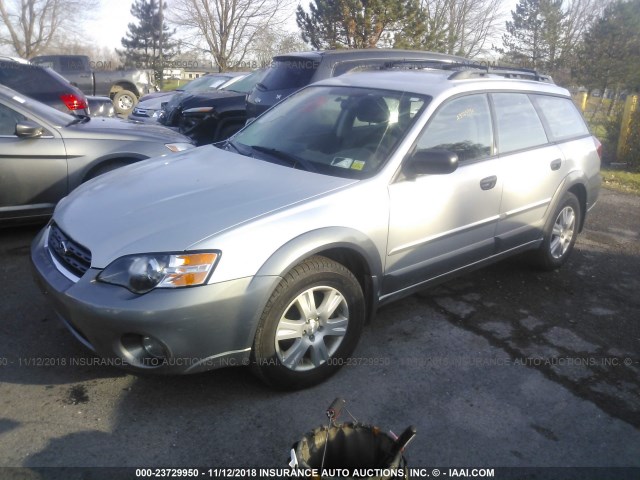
462, 126
8, 120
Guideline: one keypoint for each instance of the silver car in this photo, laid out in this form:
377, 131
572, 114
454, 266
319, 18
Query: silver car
274, 248
45, 153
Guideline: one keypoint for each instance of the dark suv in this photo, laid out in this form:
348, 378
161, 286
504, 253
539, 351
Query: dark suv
289, 73
209, 117
44, 85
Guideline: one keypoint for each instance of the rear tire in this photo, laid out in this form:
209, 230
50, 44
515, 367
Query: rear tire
560, 234
124, 101
310, 325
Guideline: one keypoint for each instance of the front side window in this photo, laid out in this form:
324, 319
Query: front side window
462, 126
8, 120
562, 117
341, 131
518, 124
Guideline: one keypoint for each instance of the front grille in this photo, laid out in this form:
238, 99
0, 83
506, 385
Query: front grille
71, 255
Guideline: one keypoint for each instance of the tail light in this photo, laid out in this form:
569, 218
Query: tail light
598, 147
73, 101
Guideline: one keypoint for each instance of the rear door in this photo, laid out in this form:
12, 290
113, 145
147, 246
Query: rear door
33, 171
440, 223
533, 169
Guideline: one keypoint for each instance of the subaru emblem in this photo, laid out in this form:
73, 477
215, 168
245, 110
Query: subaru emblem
65, 249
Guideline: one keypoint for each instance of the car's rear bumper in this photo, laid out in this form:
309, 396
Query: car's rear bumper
200, 328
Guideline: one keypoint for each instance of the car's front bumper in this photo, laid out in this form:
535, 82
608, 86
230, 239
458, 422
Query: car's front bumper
200, 328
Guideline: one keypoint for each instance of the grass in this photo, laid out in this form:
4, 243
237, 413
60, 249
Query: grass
621, 181
172, 84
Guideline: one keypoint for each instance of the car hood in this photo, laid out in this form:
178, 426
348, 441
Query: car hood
209, 99
161, 96
154, 103
118, 129
171, 203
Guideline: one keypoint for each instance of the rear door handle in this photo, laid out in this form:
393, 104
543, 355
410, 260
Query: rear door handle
556, 164
488, 183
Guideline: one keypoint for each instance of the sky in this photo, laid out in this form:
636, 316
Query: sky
111, 22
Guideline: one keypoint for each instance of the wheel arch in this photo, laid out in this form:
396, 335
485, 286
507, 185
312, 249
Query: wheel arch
111, 159
116, 87
579, 190
346, 246
575, 183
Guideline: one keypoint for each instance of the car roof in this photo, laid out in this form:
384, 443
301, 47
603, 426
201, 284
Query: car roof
434, 82
28, 103
366, 53
14, 59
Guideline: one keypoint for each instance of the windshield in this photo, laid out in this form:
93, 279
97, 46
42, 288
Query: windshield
207, 82
245, 84
341, 131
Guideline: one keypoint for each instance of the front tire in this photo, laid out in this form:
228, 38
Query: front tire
310, 325
560, 234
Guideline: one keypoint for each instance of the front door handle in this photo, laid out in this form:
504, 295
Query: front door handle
488, 183
556, 164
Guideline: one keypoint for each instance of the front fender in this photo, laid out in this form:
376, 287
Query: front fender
317, 241
340, 243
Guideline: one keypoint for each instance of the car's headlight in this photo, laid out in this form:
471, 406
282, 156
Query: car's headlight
143, 273
178, 147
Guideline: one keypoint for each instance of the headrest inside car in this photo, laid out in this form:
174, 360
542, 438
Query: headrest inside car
372, 110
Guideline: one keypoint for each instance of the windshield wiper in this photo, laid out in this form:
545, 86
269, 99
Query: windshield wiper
292, 160
79, 119
232, 144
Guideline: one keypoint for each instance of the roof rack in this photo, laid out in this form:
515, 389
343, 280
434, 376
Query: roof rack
468, 70
507, 72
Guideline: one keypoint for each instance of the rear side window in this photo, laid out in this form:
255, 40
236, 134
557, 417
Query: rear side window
561, 116
518, 123
289, 74
462, 126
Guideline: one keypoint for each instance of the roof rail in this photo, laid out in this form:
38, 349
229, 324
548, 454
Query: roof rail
410, 63
507, 72
466, 70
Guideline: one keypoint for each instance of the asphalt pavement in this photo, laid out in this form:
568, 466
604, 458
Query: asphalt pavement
504, 367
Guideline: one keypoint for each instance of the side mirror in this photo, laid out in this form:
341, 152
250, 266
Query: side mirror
27, 129
432, 162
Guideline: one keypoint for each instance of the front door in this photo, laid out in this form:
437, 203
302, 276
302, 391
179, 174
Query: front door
440, 223
33, 171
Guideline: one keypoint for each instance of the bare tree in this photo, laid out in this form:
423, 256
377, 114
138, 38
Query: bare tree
269, 42
229, 26
580, 15
29, 26
456, 27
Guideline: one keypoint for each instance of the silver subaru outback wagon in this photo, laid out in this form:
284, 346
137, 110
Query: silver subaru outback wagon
273, 248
